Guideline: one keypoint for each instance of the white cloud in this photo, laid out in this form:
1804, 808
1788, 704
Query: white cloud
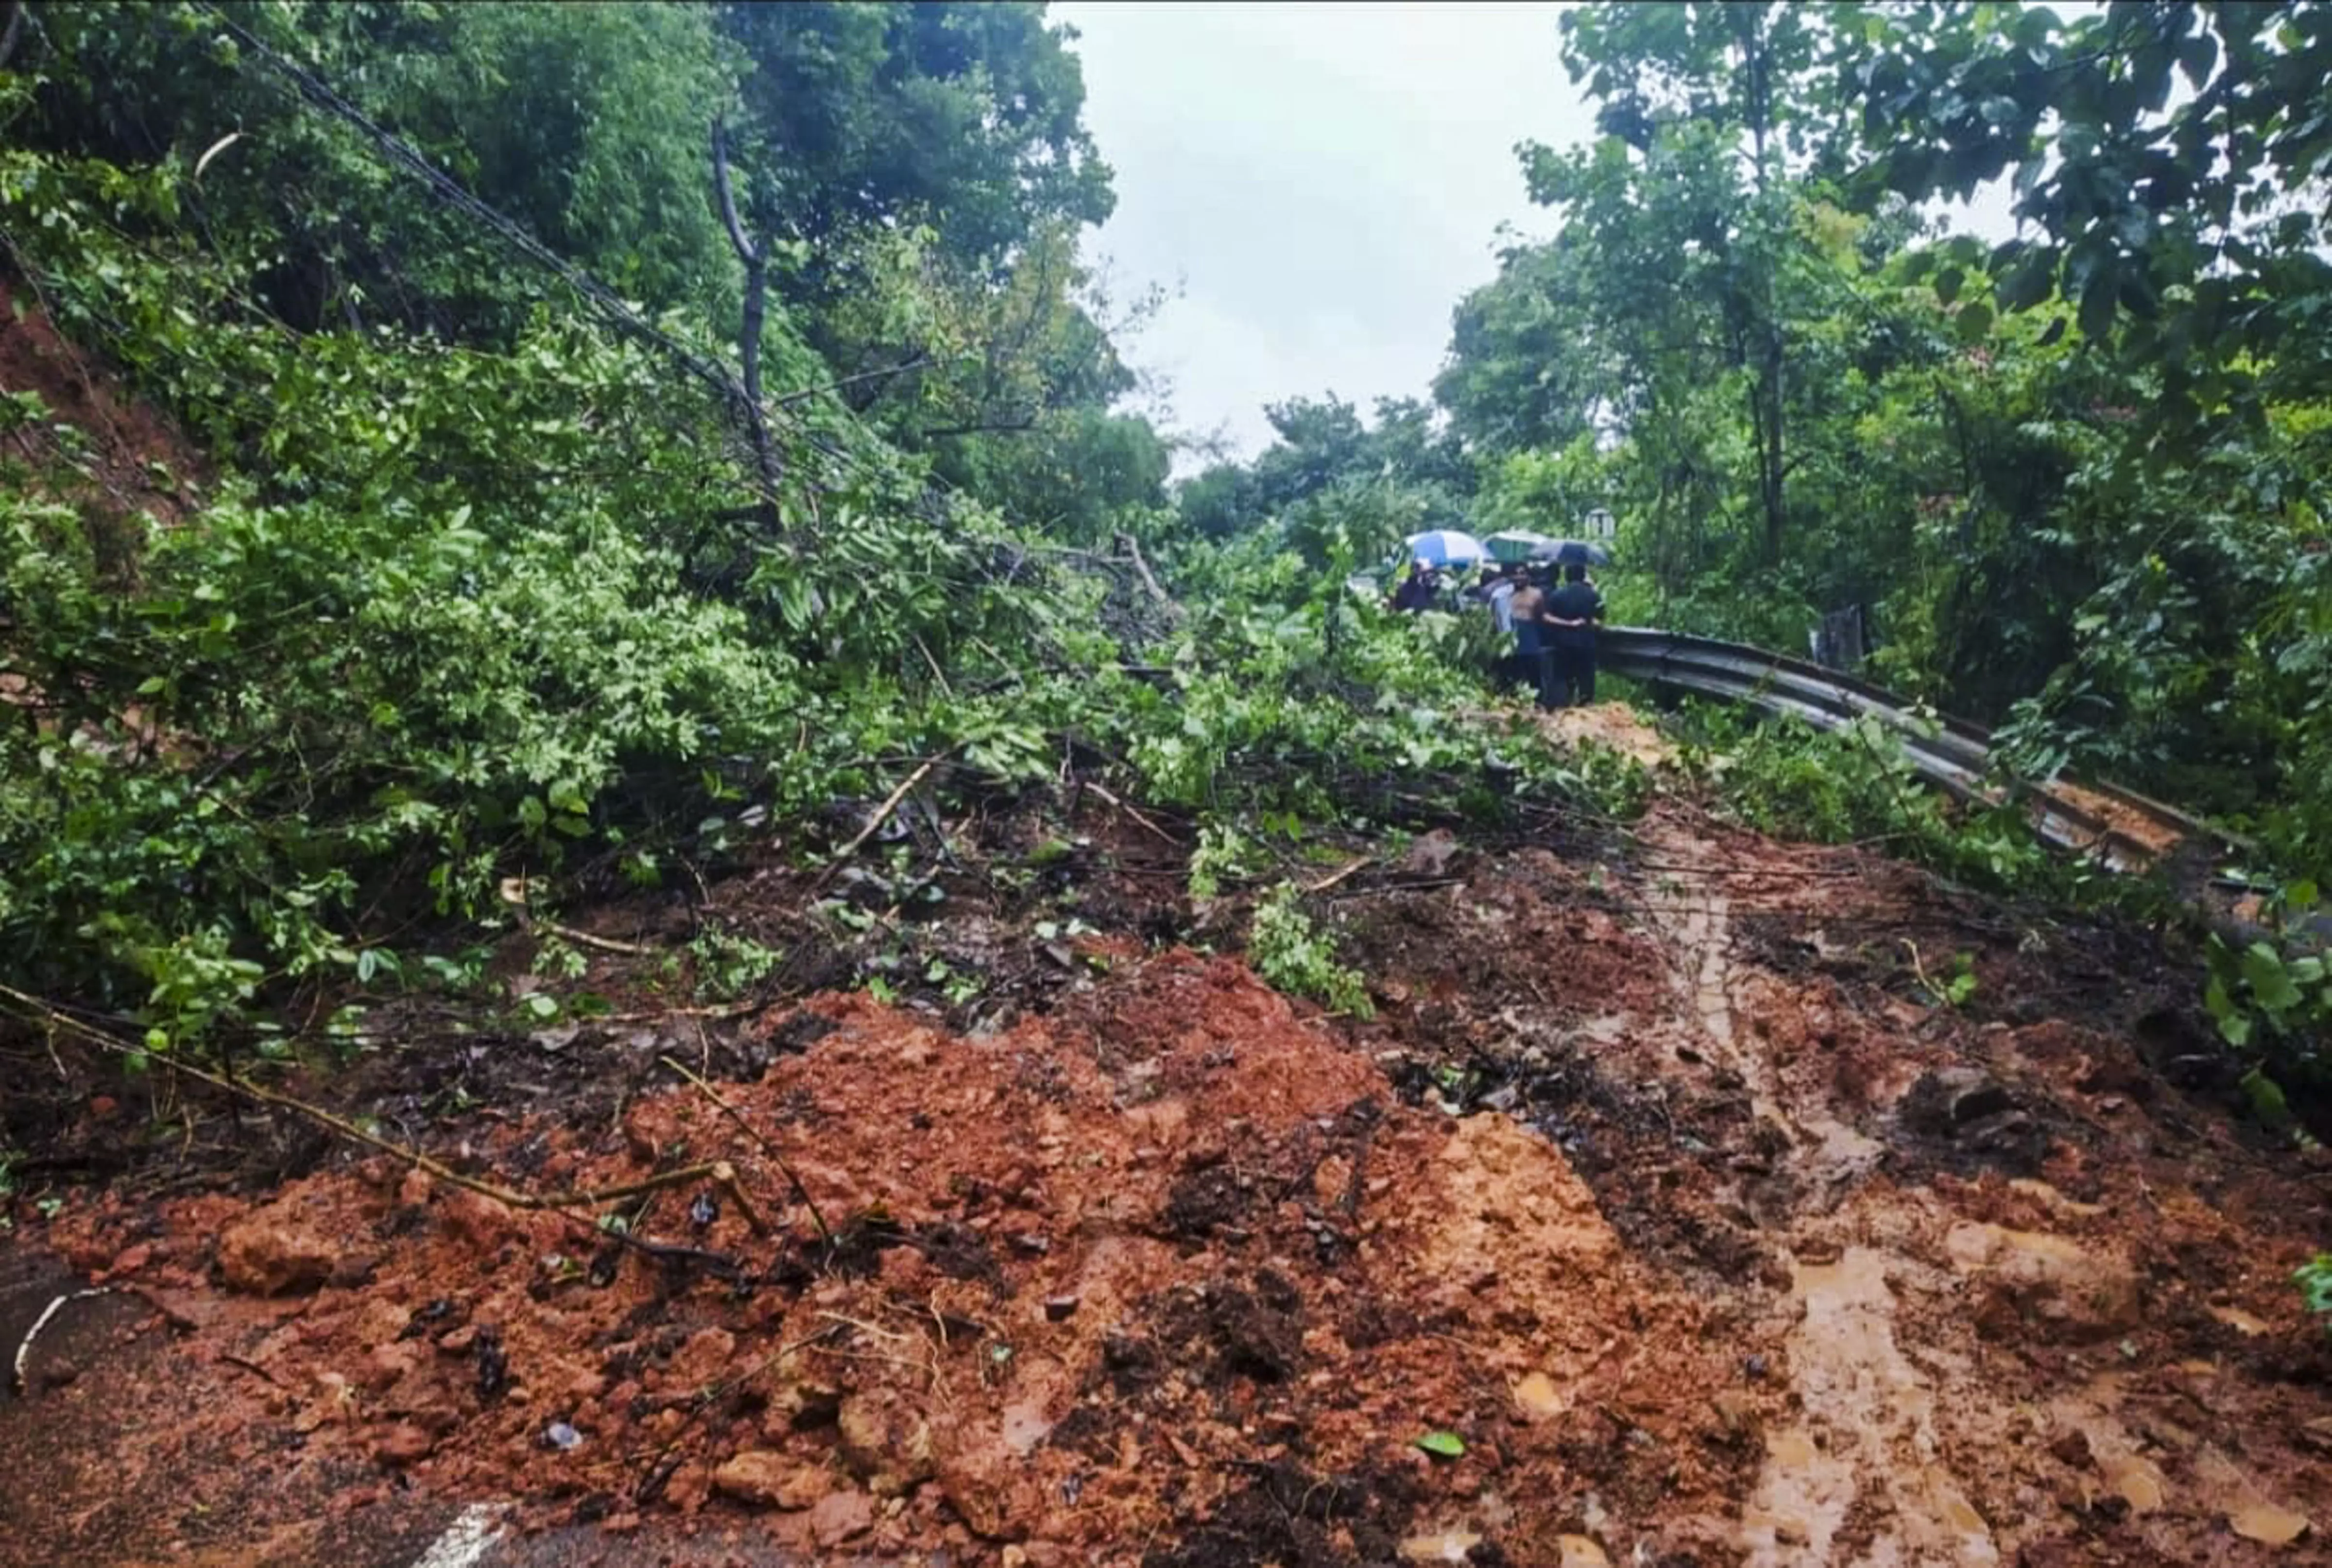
1327, 180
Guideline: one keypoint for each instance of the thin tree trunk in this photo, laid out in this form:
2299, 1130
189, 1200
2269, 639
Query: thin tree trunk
756, 259
1772, 361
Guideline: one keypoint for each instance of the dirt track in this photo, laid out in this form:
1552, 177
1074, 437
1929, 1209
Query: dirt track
1663, 1180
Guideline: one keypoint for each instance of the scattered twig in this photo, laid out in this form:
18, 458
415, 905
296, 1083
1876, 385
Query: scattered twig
24, 1347
253, 1367
725, 1011
513, 892
766, 1147
1334, 878
882, 812
1136, 812
1134, 552
719, 1171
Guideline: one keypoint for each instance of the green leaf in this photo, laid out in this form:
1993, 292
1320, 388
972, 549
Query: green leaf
1974, 322
2271, 982
1442, 1445
2267, 1098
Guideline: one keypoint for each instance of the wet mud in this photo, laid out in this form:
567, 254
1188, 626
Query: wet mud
1665, 1187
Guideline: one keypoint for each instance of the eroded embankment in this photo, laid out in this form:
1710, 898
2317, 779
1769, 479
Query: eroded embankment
1743, 1249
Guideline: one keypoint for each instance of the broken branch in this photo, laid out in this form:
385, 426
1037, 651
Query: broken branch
890, 804
768, 1148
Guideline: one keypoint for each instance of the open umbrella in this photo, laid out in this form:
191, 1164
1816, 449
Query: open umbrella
1444, 547
1565, 551
1515, 544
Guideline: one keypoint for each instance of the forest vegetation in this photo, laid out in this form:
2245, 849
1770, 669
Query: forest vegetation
614, 434
671, 867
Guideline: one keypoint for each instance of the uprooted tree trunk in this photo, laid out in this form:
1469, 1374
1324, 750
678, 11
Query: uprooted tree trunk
756, 258
1165, 601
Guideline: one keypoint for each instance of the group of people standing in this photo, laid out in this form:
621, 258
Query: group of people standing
1552, 621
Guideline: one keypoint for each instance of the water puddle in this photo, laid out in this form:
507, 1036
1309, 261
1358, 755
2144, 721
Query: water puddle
1829, 1152
1441, 1546
1877, 1414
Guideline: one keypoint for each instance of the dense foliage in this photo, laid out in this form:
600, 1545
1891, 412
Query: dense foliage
2074, 481
480, 587
494, 579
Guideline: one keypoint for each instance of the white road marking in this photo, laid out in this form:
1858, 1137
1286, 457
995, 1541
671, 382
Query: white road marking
465, 1540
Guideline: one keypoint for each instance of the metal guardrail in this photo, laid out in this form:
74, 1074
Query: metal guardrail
1950, 752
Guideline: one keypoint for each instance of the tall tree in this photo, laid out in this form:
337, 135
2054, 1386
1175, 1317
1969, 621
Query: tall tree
878, 113
1718, 93
2172, 164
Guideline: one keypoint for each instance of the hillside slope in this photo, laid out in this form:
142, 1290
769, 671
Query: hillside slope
1662, 1180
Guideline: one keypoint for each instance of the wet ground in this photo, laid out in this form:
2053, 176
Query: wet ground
1712, 1200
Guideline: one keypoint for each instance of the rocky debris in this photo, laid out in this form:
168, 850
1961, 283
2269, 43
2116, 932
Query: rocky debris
840, 1516
275, 1252
405, 1443
762, 1479
886, 1440
2267, 1523
1946, 1101
2029, 1280
1270, 1307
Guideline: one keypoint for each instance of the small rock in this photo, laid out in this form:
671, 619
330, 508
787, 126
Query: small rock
1736, 1413
1946, 1099
2267, 1524
1442, 1546
768, 1480
699, 1362
2072, 1447
404, 1444
1537, 1396
838, 1517
476, 1220
386, 1367
1582, 1552
1059, 1308
560, 1436
886, 1441
272, 1253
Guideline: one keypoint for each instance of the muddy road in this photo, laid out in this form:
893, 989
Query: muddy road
1666, 1191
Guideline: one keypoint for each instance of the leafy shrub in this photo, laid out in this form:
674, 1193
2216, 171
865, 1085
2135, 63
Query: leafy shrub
2314, 1278
1298, 958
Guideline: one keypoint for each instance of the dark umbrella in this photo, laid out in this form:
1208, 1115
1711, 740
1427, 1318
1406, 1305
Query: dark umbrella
1565, 552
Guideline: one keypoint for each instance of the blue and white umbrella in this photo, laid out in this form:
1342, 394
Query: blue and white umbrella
1446, 547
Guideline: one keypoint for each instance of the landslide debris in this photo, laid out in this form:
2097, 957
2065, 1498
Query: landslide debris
1659, 1179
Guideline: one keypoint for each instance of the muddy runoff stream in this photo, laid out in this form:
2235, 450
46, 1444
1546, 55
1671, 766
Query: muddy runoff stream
1662, 1194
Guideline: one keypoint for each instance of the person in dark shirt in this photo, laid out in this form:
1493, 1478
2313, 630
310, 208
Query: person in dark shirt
1571, 612
1418, 590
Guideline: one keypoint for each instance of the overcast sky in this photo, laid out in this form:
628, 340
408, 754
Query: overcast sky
1323, 182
